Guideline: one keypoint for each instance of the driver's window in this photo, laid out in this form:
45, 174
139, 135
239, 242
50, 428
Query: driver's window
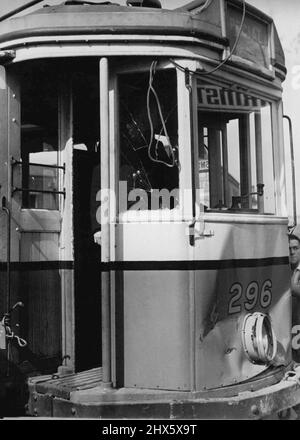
148, 160
236, 170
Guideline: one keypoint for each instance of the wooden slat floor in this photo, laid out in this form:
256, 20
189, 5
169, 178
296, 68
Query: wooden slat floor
63, 386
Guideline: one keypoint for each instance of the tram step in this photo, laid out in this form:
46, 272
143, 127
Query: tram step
62, 387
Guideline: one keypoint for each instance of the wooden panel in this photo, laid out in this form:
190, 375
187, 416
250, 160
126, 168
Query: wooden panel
42, 323
33, 220
39, 247
41, 294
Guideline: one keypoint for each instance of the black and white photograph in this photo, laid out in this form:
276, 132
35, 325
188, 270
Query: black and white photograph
149, 214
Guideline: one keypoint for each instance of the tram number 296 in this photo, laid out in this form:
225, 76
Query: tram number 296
250, 297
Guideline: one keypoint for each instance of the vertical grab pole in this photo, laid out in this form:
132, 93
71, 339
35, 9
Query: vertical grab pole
293, 168
105, 226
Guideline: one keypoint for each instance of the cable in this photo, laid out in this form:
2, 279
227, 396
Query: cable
151, 89
205, 6
227, 58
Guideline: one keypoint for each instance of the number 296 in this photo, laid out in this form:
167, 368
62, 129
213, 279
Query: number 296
254, 295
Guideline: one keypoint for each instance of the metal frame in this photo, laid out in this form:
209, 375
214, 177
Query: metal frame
253, 405
40, 191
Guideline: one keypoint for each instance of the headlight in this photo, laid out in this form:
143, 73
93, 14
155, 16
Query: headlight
259, 340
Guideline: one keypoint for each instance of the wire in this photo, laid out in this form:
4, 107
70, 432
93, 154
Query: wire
227, 58
205, 6
151, 89
11, 335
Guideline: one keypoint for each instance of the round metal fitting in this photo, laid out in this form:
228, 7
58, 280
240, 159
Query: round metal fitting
259, 339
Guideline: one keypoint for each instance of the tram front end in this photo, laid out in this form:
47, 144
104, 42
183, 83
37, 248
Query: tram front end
184, 310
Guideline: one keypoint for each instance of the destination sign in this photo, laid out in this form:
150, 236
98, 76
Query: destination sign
253, 44
216, 97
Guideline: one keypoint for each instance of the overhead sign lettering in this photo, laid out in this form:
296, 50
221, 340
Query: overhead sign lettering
219, 98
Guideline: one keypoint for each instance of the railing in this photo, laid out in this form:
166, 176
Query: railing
15, 162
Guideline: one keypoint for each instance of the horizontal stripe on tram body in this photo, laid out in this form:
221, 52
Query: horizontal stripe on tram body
183, 265
37, 265
193, 265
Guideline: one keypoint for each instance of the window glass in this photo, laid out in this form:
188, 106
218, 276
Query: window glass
39, 136
148, 160
86, 107
236, 170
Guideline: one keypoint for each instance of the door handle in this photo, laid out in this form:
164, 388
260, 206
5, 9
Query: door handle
195, 234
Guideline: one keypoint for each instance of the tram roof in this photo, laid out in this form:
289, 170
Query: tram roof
76, 17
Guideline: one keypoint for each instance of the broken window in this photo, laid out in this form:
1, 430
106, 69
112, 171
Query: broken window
148, 159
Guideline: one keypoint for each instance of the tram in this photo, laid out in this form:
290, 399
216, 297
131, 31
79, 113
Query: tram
184, 309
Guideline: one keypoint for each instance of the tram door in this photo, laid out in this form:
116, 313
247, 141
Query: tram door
31, 182
52, 138
152, 234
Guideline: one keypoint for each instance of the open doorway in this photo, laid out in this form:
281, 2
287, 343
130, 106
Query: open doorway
87, 254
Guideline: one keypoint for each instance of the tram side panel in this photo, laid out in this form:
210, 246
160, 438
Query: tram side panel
156, 305
248, 280
159, 334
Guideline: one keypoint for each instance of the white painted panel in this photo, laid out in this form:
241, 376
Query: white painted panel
156, 330
170, 241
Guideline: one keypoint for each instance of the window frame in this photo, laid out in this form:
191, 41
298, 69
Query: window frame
274, 105
182, 211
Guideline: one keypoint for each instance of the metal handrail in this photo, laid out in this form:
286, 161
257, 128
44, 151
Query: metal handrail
293, 168
31, 190
43, 191
31, 164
